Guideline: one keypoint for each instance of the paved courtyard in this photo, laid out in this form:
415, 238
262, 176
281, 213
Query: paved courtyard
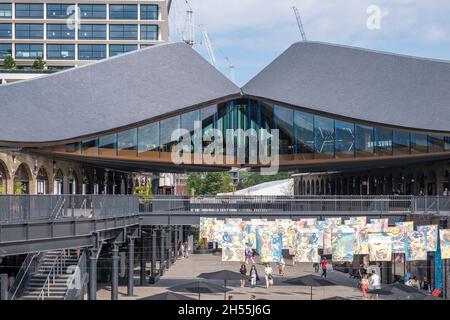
185, 270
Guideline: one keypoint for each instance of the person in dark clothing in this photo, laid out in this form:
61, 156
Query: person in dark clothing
243, 271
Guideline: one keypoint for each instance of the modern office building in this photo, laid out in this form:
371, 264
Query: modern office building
73, 33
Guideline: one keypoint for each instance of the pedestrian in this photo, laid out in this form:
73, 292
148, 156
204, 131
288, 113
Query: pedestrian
281, 266
324, 265
243, 271
268, 273
186, 249
364, 284
253, 276
182, 249
445, 192
426, 285
374, 280
361, 271
316, 266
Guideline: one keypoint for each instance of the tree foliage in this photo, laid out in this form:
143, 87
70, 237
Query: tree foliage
9, 63
39, 64
210, 184
144, 193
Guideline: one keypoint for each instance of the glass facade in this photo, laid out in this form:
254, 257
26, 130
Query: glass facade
92, 11
123, 11
5, 30
5, 10
60, 11
116, 49
5, 49
29, 51
30, 10
91, 51
149, 32
149, 12
60, 31
92, 32
123, 32
29, 31
303, 136
60, 51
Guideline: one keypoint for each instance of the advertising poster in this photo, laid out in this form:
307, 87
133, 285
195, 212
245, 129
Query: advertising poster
233, 252
431, 236
380, 247
343, 246
362, 240
444, 237
398, 236
415, 248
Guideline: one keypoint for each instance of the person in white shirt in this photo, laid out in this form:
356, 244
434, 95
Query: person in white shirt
375, 281
268, 275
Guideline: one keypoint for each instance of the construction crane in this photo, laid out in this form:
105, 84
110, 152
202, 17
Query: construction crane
231, 69
299, 22
208, 45
188, 33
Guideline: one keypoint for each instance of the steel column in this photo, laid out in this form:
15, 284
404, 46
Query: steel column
92, 274
115, 273
169, 246
162, 255
131, 267
3, 286
143, 262
176, 242
153, 267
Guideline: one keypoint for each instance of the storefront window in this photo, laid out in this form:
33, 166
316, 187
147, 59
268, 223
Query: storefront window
345, 139
364, 141
148, 141
90, 147
304, 132
324, 137
383, 142
435, 144
284, 122
419, 143
127, 143
401, 142
107, 145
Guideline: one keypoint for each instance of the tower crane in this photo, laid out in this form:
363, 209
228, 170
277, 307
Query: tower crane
188, 34
299, 22
231, 69
208, 45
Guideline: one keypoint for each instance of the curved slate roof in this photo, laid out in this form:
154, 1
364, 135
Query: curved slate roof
109, 94
360, 84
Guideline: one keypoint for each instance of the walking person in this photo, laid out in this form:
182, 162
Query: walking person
374, 281
324, 265
364, 285
243, 271
316, 266
281, 266
253, 276
268, 273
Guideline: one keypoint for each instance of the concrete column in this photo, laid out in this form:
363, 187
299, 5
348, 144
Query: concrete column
93, 275
153, 267
162, 255
143, 262
105, 183
169, 246
115, 273
3, 286
176, 242
130, 267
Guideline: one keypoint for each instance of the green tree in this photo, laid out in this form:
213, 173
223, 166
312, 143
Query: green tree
9, 63
2, 190
144, 193
194, 184
209, 185
39, 64
19, 188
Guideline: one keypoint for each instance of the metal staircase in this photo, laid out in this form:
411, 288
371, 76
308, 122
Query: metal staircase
54, 276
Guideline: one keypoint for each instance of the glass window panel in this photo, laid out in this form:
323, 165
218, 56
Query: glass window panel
383, 142
92, 31
166, 127
116, 49
60, 11
61, 51
90, 147
148, 141
127, 143
435, 143
73, 147
5, 10
401, 142
419, 143
447, 143
92, 11
29, 31
5, 30
304, 130
29, 51
149, 32
324, 137
123, 11
59, 31
149, 11
284, 122
345, 139
30, 10
364, 141
5, 49
91, 51
122, 31
107, 145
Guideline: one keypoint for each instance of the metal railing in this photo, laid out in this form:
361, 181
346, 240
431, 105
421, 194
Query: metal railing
25, 270
58, 268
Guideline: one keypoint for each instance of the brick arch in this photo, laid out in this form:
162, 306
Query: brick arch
5, 177
23, 175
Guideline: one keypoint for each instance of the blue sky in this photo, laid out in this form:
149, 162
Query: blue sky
251, 33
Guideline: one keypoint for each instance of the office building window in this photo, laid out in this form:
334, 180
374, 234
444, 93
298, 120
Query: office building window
30, 10
91, 51
5, 30
364, 141
284, 122
127, 143
60, 11
401, 142
92, 31
60, 51
92, 11
383, 142
89, 147
324, 137
149, 12
345, 139
123, 11
5, 10
166, 127
59, 31
29, 31
419, 143
29, 51
107, 145
148, 141
149, 32
116, 49
304, 134
122, 31
5, 49
435, 144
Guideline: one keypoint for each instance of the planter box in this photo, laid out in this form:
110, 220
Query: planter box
203, 251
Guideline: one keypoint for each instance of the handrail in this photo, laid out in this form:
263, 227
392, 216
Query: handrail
51, 272
17, 286
80, 268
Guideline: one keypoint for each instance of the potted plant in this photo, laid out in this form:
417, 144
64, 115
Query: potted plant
201, 247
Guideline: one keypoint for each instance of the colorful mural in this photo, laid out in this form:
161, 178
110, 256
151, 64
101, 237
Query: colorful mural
380, 247
343, 245
233, 252
398, 235
431, 236
415, 249
444, 237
